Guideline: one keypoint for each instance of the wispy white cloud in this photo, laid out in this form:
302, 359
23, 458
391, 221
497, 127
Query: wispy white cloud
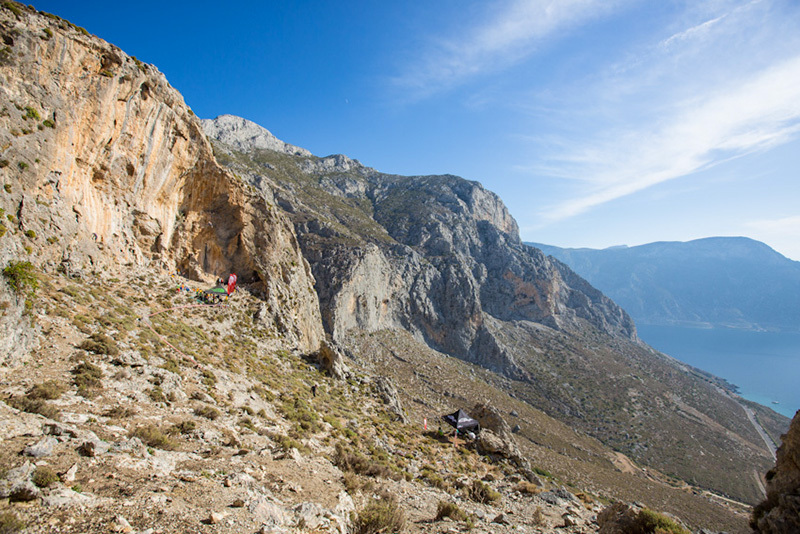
678, 120
508, 33
784, 226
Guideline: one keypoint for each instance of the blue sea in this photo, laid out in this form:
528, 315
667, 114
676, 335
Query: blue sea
764, 365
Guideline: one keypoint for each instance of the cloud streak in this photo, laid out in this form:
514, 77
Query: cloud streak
729, 115
508, 35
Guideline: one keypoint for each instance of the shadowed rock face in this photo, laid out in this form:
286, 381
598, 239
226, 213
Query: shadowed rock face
112, 169
780, 513
439, 256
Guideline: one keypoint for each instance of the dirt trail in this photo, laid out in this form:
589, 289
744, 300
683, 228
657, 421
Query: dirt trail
767, 441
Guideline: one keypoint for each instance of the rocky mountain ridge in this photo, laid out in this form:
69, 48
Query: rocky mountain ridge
433, 254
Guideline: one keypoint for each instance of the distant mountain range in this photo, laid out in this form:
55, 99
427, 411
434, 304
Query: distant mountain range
731, 282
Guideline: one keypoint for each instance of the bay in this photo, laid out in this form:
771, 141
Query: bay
764, 365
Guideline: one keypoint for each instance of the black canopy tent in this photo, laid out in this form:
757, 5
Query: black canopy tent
461, 421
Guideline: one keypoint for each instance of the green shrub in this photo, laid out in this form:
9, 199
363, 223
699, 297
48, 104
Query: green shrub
87, 375
354, 461
30, 234
301, 413
21, 276
482, 493
48, 123
13, 7
10, 523
156, 394
381, 516
100, 344
451, 510
44, 476
119, 412
3, 229
152, 436
208, 378
246, 422
48, 32
650, 522
49, 390
184, 427
209, 412
35, 406
7, 187
31, 113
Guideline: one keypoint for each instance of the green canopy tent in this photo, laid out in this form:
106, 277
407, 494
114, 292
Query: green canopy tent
215, 293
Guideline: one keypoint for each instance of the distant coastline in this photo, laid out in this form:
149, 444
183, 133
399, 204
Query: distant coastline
764, 366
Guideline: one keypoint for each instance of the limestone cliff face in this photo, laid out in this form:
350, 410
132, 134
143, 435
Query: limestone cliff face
439, 256
780, 513
107, 166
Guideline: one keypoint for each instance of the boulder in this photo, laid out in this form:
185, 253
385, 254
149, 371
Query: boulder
332, 360
43, 447
619, 518
780, 512
388, 394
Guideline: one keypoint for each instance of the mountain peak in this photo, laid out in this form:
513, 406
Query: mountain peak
245, 135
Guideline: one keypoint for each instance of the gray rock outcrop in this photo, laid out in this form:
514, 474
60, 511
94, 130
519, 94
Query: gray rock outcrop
245, 135
780, 512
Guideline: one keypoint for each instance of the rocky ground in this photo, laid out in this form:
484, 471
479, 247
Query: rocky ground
107, 428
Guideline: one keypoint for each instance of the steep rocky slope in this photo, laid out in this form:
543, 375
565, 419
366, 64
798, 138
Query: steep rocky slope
106, 166
440, 257
780, 512
437, 255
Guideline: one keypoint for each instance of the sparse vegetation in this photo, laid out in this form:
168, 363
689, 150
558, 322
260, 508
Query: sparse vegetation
382, 516
39, 406
10, 523
209, 412
152, 436
184, 427
100, 344
119, 412
49, 390
21, 276
87, 377
31, 113
44, 476
156, 394
353, 461
650, 522
482, 493
451, 510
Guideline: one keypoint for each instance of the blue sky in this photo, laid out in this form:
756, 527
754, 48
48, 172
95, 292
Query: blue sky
598, 122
